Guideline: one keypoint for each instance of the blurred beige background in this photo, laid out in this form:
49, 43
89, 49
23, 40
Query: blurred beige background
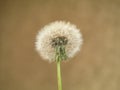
96, 67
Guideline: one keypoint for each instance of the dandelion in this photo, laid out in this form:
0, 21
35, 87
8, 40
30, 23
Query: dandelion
58, 41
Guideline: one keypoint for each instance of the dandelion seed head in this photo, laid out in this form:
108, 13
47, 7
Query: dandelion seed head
69, 34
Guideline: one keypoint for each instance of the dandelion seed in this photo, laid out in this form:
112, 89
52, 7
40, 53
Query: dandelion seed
58, 33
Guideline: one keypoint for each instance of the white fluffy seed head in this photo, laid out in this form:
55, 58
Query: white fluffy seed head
58, 29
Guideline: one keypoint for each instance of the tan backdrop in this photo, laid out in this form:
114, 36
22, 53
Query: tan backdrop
96, 67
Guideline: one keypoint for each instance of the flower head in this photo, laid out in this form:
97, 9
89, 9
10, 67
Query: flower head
58, 34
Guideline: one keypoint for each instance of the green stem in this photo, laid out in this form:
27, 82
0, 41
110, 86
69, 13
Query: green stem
59, 75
